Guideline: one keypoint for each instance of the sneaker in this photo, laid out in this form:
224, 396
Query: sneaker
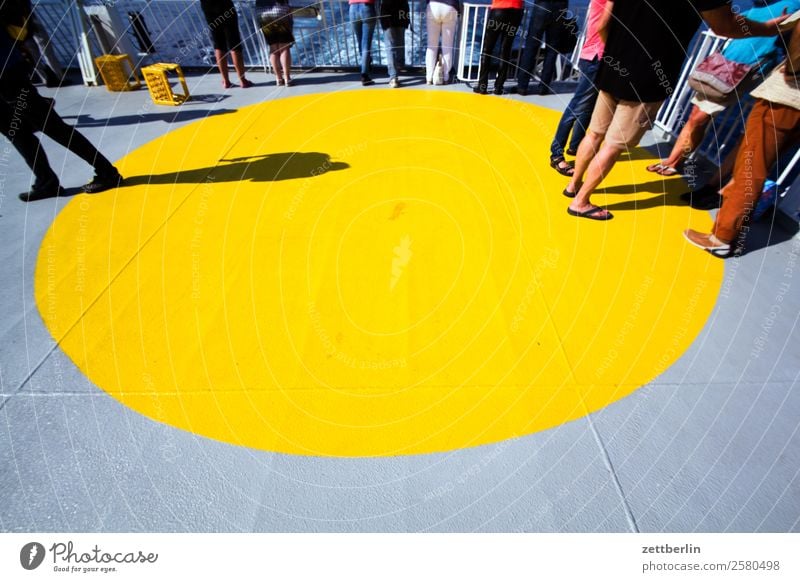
103, 182
50, 188
708, 242
394, 83
246, 83
366, 81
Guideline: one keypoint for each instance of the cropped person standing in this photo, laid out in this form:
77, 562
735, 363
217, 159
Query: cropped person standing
362, 17
762, 54
544, 26
395, 18
578, 113
646, 46
502, 24
275, 18
23, 111
441, 17
223, 25
773, 126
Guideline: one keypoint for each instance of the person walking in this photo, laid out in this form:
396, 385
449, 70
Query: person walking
646, 46
761, 53
773, 126
23, 112
578, 113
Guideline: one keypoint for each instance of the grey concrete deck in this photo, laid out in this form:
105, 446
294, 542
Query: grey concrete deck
712, 445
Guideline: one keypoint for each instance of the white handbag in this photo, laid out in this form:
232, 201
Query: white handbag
438, 72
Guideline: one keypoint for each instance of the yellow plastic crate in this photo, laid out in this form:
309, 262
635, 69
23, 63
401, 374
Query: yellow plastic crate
118, 72
160, 86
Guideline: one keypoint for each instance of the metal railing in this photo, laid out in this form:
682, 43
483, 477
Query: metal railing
179, 33
472, 33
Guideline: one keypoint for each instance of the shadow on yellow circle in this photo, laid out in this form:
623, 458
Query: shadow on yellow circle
371, 273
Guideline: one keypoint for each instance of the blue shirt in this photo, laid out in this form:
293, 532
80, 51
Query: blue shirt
766, 50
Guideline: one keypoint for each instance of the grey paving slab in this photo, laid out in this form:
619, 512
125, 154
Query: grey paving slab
87, 463
715, 457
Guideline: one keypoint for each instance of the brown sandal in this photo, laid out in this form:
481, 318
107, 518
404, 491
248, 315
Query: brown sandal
566, 170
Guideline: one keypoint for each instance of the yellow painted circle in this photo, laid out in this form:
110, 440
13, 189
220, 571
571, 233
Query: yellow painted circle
371, 273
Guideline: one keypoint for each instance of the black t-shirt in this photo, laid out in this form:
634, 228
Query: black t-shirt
647, 42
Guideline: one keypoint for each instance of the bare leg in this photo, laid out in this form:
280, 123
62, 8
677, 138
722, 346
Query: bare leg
690, 137
275, 62
598, 169
222, 65
238, 63
587, 150
286, 61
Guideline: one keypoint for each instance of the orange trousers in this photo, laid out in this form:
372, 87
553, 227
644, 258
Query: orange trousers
770, 129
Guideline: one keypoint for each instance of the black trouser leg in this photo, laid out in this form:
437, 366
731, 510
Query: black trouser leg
38, 114
21, 136
513, 20
493, 26
69, 137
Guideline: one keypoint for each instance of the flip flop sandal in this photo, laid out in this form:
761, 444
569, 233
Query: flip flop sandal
591, 214
655, 168
572, 152
555, 163
667, 171
569, 194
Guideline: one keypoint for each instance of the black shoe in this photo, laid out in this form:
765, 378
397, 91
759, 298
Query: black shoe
480, 90
572, 152
49, 188
519, 90
545, 90
102, 182
366, 81
498, 90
